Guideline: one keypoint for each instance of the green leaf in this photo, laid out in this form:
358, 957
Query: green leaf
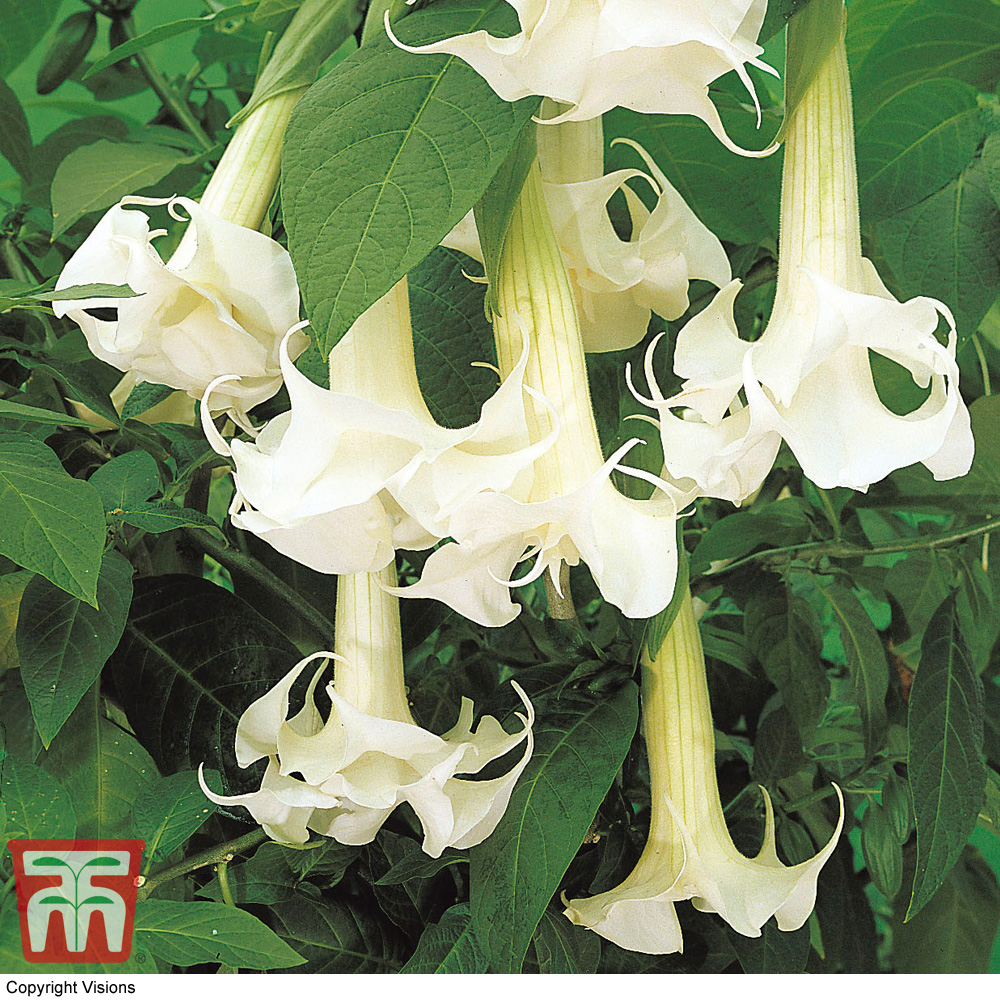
920, 582
98, 176
37, 805
168, 810
36, 415
518, 868
126, 479
893, 45
364, 205
989, 814
783, 634
63, 644
92, 290
451, 338
945, 752
448, 947
564, 949
421, 866
200, 655
23, 28
102, 766
192, 933
866, 660
882, 851
163, 516
338, 938
265, 878
948, 247
773, 952
15, 138
915, 143
954, 932
50, 522
144, 397
89, 382
11, 590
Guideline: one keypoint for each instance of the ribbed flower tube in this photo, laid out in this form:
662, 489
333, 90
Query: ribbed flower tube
808, 379
689, 853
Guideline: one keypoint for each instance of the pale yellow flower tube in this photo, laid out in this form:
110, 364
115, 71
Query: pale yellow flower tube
689, 853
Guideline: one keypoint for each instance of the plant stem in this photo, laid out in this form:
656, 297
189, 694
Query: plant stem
179, 108
227, 893
213, 856
845, 550
231, 557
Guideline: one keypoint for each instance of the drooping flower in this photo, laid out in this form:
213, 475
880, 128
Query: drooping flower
342, 776
595, 55
351, 473
689, 853
808, 378
571, 511
221, 304
618, 283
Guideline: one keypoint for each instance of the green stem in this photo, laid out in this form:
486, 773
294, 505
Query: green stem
180, 109
231, 557
984, 368
831, 514
213, 856
224, 887
845, 550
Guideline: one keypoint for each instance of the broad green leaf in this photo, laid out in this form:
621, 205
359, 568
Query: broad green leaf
882, 851
93, 290
102, 766
364, 205
989, 814
89, 382
945, 752
448, 947
730, 194
335, 937
920, 582
516, 871
892, 45
451, 338
773, 952
915, 143
98, 176
265, 878
36, 415
777, 751
36, 804
954, 932
866, 659
422, 866
23, 28
948, 247
200, 655
15, 138
168, 810
783, 634
126, 479
144, 397
324, 857
193, 933
564, 949
63, 643
50, 522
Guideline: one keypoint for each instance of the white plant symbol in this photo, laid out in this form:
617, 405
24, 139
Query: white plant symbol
75, 897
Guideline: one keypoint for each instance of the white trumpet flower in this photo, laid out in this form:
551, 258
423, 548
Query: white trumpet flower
224, 299
618, 283
808, 379
689, 853
351, 473
342, 776
595, 55
572, 511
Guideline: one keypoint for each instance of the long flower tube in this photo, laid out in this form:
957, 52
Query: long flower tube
618, 283
595, 55
351, 473
808, 378
571, 512
224, 299
342, 776
689, 853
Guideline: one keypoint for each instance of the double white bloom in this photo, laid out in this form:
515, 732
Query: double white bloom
351, 473
342, 776
617, 282
595, 55
689, 853
808, 379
